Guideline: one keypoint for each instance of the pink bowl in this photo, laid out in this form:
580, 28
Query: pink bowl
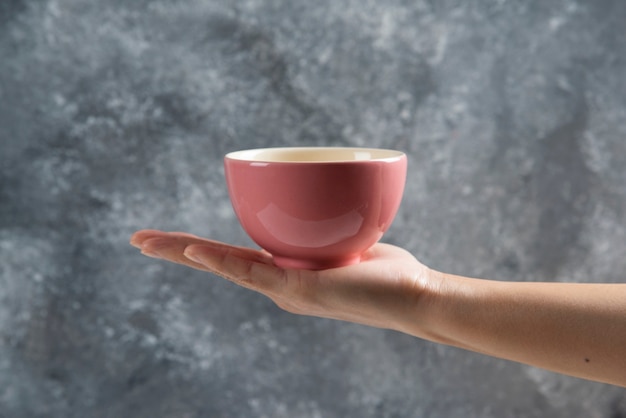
315, 208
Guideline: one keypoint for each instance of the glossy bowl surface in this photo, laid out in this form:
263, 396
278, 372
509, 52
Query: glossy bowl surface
315, 207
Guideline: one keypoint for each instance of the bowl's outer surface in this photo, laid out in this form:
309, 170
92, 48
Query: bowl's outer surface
316, 215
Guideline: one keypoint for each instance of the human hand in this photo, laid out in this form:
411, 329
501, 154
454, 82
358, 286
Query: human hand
571, 328
385, 290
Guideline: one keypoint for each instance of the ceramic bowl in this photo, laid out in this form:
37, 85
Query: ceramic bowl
317, 207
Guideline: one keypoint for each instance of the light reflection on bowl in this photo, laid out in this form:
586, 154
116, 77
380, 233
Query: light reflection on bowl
315, 207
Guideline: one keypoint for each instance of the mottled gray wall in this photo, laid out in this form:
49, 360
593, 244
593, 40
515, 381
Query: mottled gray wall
115, 115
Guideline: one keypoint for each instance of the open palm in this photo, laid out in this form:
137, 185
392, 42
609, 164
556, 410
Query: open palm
380, 291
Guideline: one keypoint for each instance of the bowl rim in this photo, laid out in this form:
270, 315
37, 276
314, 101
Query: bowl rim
367, 154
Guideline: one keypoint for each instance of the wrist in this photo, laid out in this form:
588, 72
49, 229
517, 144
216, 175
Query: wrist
446, 308
427, 300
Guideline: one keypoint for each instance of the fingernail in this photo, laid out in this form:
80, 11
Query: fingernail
134, 242
191, 257
151, 253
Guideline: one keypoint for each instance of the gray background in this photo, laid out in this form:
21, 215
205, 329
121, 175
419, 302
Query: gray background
115, 115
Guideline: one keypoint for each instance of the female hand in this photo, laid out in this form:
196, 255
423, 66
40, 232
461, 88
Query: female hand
572, 328
385, 290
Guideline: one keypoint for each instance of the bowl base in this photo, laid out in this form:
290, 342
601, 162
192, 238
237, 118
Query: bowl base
308, 264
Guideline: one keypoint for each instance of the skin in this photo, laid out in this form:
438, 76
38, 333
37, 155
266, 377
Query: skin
570, 328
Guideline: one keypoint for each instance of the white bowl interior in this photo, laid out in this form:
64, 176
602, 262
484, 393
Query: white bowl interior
314, 154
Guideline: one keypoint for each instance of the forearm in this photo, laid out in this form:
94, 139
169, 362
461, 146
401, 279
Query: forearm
575, 329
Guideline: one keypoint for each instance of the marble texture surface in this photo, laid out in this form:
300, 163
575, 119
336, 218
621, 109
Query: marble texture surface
115, 115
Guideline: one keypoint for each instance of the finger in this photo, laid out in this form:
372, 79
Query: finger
171, 246
191, 239
246, 267
138, 238
170, 249
141, 236
257, 256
